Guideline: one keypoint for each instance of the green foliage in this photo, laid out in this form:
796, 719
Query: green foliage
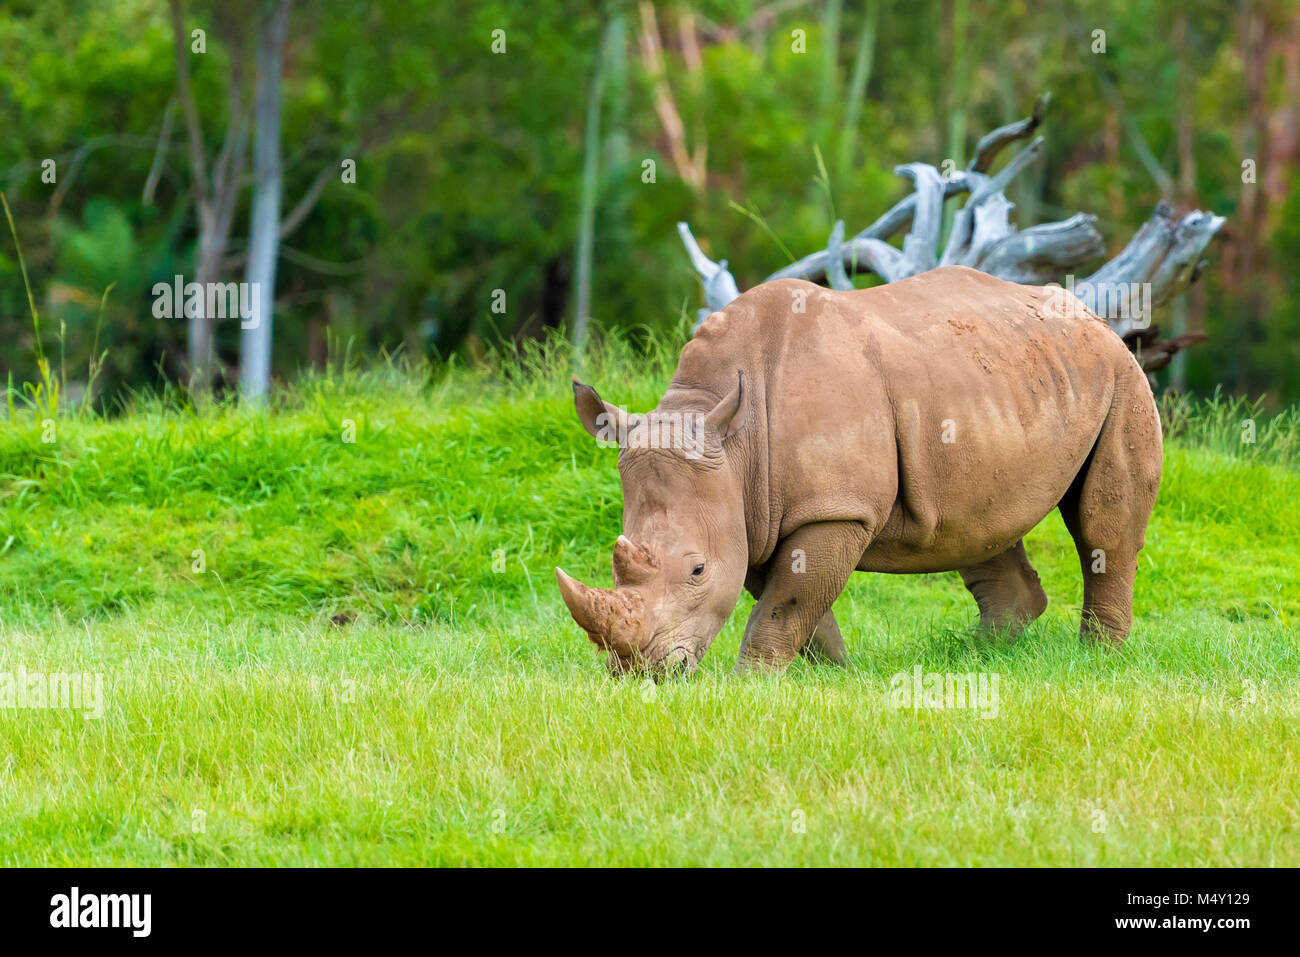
469, 163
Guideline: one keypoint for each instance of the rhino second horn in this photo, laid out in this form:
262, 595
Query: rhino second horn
632, 563
588, 606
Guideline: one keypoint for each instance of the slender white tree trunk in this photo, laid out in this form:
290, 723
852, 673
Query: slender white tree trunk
264, 228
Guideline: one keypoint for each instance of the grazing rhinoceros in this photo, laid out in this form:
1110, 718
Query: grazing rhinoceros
921, 426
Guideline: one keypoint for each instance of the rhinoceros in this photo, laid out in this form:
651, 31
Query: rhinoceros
922, 426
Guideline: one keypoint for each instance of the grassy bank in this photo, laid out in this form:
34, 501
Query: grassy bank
329, 633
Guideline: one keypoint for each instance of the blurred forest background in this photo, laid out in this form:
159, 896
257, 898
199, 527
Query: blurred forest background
479, 155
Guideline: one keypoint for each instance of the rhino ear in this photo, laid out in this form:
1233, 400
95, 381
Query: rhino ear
725, 417
598, 417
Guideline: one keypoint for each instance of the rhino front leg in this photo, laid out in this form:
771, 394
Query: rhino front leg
826, 644
804, 577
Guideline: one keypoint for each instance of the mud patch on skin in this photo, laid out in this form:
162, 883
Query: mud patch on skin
1057, 302
1052, 304
617, 617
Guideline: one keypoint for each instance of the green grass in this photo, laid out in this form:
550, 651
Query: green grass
350, 680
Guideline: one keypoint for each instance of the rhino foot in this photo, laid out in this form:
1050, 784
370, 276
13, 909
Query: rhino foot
1007, 590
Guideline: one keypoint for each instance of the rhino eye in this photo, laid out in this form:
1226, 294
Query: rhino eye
697, 571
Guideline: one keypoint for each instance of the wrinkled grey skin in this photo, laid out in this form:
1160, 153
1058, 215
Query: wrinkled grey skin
922, 426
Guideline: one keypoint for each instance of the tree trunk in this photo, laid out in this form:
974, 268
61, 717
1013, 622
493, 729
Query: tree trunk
264, 231
212, 246
213, 197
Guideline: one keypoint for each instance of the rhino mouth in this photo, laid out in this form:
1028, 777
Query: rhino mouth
681, 661
677, 663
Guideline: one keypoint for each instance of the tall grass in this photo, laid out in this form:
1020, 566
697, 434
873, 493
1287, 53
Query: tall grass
1232, 425
44, 396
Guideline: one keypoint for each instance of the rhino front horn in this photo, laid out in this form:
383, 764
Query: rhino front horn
588, 606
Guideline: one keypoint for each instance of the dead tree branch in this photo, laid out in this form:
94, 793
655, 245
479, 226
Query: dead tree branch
1159, 262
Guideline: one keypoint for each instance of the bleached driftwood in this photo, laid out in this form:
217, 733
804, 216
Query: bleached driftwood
1159, 262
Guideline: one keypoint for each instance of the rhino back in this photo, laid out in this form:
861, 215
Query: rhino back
948, 412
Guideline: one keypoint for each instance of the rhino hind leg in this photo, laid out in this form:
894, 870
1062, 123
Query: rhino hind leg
1007, 590
1107, 508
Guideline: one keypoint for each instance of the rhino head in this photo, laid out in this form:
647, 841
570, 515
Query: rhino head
680, 563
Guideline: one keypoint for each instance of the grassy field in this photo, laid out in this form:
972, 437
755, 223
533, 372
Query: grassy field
323, 651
